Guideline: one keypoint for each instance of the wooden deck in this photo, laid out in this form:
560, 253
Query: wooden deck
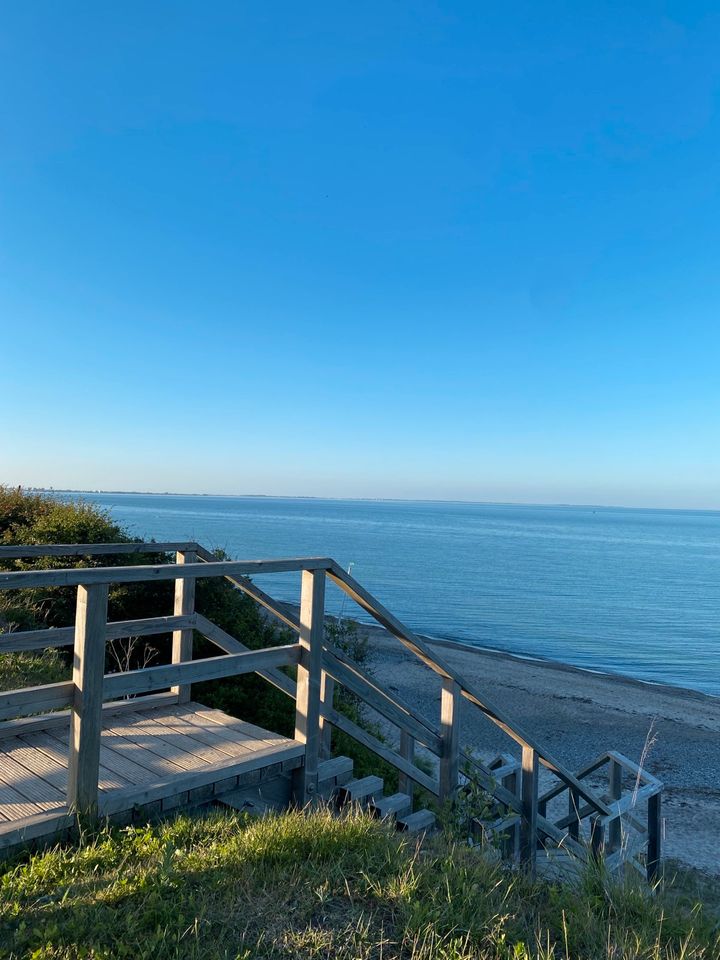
166, 755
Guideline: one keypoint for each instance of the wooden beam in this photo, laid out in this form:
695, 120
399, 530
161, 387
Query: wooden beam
529, 800
286, 617
86, 710
450, 736
29, 700
410, 640
327, 698
217, 635
197, 671
61, 718
614, 837
182, 641
655, 838
407, 753
73, 576
21, 551
18, 640
383, 751
307, 713
352, 676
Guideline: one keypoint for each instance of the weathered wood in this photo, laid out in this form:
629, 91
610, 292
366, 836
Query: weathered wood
18, 640
26, 551
35, 827
407, 753
86, 709
182, 641
654, 842
450, 736
123, 799
614, 837
574, 814
287, 617
307, 713
352, 676
597, 836
529, 800
30, 700
196, 671
386, 753
229, 644
327, 698
61, 718
73, 577
505, 767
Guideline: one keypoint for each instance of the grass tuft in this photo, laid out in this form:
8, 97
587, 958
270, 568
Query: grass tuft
223, 886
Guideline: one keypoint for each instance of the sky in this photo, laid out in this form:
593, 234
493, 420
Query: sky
447, 250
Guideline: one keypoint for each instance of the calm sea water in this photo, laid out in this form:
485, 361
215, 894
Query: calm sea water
628, 591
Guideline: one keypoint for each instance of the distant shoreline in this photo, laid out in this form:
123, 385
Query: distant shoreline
290, 496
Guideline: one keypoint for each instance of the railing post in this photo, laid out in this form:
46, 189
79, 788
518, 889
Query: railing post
182, 645
327, 698
654, 844
86, 710
407, 752
614, 838
597, 837
529, 802
307, 716
511, 843
450, 735
574, 812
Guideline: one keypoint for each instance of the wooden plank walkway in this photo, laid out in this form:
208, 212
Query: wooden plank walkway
148, 755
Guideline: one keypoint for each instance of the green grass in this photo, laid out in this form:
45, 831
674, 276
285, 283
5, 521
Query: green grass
223, 886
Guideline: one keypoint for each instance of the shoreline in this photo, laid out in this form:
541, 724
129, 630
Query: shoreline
560, 665
577, 714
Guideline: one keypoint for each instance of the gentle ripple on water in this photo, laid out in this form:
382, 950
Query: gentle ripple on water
631, 591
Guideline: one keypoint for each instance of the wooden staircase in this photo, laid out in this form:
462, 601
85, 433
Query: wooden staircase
619, 822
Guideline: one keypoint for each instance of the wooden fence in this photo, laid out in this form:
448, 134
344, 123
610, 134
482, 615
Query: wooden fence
319, 667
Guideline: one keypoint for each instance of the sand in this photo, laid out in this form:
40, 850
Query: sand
577, 715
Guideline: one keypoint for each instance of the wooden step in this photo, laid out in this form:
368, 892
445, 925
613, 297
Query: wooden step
357, 791
420, 822
394, 806
334, 772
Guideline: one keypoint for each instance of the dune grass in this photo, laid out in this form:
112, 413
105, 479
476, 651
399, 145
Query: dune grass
317, 886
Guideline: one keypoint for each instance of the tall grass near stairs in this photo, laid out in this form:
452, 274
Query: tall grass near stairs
317, 886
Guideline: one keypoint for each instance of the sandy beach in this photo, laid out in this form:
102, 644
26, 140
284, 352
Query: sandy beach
577, 715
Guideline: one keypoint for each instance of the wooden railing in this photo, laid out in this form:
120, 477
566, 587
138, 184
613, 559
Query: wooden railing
320, 667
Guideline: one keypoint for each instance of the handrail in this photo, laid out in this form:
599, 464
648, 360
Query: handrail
21, 551
441, 667
16, 640
86, 576
319, 666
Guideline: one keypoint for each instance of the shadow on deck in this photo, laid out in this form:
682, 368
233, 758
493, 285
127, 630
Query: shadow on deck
152, 759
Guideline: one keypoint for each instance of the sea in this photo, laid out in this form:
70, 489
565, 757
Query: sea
615, 590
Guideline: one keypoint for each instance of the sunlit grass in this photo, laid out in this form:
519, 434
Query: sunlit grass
318, 886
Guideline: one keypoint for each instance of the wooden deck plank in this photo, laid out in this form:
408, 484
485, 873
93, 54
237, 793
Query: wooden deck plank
54, 746
176, 739
232, 746
216, 746
145, 755
28, 784
253, 734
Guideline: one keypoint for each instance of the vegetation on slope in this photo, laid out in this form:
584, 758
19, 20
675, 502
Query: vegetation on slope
27, 518
317, 886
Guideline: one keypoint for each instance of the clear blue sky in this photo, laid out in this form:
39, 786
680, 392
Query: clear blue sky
452, 250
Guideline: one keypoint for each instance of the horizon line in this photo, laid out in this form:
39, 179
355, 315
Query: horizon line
273, 496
